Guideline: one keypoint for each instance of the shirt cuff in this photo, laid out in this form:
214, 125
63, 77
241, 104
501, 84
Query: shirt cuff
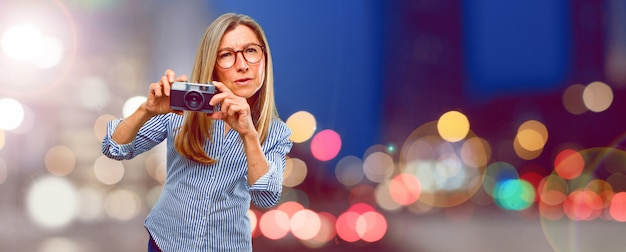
262, 183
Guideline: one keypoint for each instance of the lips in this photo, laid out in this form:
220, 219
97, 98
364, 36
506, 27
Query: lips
243, 81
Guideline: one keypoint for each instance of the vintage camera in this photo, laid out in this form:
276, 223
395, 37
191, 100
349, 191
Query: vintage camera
193, 97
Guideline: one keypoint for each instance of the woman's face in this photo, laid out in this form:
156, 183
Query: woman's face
242, 78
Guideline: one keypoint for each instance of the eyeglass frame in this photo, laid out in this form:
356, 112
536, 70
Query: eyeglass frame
242, 54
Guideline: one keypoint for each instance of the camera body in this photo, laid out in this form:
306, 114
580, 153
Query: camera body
193, 97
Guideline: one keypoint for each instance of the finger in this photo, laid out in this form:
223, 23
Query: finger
233, 107
156, 89
166, 88
169, 74
221, 87
215, 115
182, 78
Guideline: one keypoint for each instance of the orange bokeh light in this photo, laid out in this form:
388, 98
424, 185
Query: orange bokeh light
405, 189
618, 207
569, 164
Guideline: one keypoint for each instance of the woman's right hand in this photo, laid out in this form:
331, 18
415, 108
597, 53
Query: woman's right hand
159, 96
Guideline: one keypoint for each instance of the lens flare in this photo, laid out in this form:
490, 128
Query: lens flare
21, 42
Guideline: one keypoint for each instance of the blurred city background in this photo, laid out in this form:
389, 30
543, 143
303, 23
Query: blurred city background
418, 125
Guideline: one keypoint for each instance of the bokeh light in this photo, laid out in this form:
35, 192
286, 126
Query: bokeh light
445, 179
371, 226
91, 206
581, 205
153, 194
325, 145
100, 125
29, 121
598, 96
383, 197
51, 202
453, 126
2, 138
295, 172
362, 193
60, 160
4, 171
378, 166
618, 207
476, 152
569, 164
122, 204
131, 105
326, 231
349, 170
302, 125
443, 170
56, 244
254, 221
497, 173
573, 99
347, 226
405, 189
50, 54
514, 194
11, 114
305, 224
553, 190
108, 171
361, 222
274, 224
93, 93
532, 135
22, 42
25, 42
156, 166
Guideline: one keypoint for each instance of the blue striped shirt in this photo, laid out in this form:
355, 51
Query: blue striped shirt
204, 207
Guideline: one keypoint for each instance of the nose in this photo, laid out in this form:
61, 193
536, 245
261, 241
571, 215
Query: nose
240, 62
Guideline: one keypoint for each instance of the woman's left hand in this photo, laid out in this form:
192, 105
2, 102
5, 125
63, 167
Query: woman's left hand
234, 110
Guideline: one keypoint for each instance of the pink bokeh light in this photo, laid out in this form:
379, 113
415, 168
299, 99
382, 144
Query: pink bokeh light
326, 145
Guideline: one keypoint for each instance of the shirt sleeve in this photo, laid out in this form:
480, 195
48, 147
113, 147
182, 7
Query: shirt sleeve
151, 134
267, 189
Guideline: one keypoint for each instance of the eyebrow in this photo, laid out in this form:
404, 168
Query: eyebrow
244, 46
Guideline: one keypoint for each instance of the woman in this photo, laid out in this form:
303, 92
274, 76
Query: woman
216, 163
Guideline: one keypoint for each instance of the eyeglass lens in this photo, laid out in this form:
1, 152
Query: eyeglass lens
252, 54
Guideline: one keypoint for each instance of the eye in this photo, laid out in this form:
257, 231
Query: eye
225, 55
251, 50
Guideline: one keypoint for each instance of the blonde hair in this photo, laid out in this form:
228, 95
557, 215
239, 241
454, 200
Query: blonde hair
197, 128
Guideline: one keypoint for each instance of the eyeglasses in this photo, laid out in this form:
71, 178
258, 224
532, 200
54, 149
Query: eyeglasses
252, 54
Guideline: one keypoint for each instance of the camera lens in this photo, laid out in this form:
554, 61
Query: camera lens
194, 100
